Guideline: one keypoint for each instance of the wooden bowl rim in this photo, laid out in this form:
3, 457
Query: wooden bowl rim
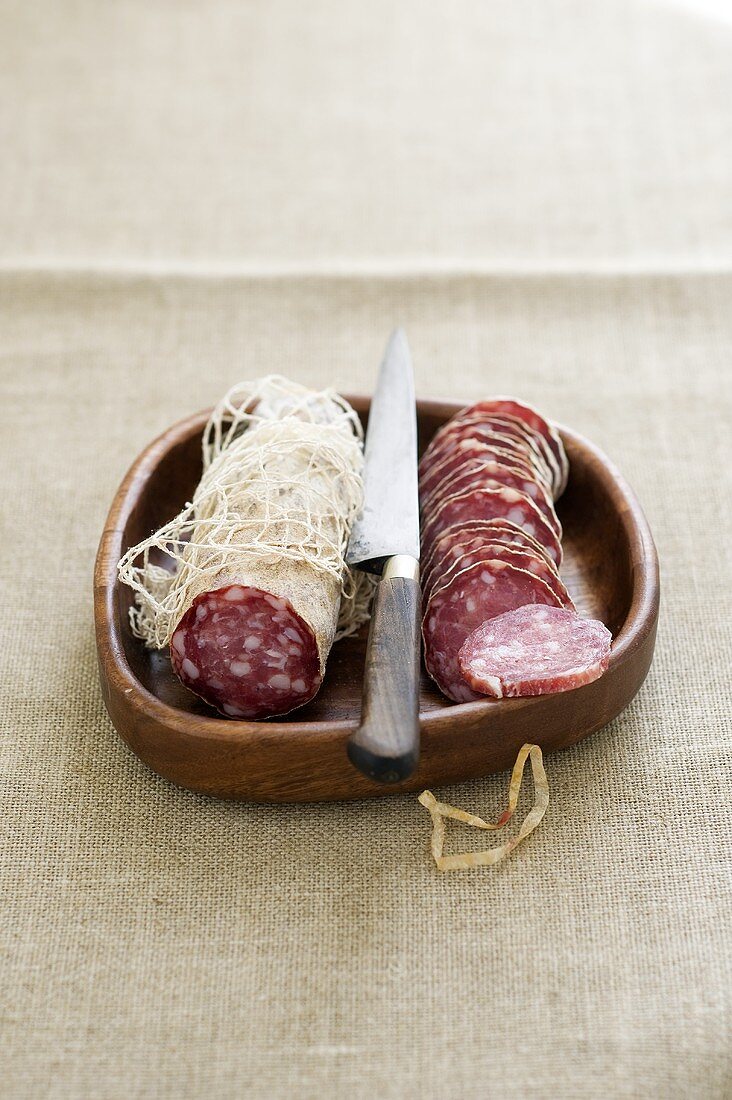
639, 622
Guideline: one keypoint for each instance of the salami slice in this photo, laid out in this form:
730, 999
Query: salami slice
493, 504
246, 652
534, 651
511, 407
498, 530
480, 441
523, 436
477, 548
479, 474
510, 425
475, 594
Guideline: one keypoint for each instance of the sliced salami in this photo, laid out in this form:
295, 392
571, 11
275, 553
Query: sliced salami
472, 550
534, 651
511, 407
510, 427
475, 594
246, 652
477, 474
496, 530
480, 442
493, 504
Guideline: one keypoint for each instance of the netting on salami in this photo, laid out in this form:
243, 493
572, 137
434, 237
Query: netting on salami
258, 590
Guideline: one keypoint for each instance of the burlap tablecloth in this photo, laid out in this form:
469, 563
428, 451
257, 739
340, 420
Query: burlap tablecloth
156, 943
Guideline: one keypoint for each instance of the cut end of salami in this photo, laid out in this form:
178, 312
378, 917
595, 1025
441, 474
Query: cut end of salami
246, 652
534, 650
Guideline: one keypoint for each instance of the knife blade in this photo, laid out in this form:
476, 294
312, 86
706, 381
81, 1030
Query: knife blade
389, 521
385, 539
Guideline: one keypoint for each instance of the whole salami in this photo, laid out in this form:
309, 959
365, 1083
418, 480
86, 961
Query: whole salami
255, 601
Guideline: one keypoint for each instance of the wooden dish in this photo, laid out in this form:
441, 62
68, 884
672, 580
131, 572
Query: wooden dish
610, 568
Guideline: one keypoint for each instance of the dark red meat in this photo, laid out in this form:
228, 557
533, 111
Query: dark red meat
246, 652
492, 504
478, 593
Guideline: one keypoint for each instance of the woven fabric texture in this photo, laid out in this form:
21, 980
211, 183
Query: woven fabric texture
334, 132
196, 193
158, 943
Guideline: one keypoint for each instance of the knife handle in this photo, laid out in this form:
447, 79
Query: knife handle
385, 747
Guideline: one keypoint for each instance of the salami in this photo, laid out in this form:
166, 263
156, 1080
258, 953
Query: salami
473, 595
493, 504
246, 652
498, 530
480, 443
509, 406
510, 427
534, 650
492, 475
254, 603
477, 548
519, 431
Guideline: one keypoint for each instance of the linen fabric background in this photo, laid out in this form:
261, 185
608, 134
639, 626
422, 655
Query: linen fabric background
196, 194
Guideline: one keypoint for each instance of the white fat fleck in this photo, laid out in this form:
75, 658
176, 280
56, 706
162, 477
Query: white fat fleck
299, 686
234, 712
201, 612
470, 604
516, 516
280, 682
292, 634
235, 594
190, 670
179, 644
252, 642
217, 685
493, 686
486, 577
240, 668
294, 650
278, 605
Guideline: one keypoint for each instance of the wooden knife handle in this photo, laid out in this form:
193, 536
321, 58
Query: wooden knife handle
385, 747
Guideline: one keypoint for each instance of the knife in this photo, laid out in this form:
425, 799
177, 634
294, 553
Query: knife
385, 540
